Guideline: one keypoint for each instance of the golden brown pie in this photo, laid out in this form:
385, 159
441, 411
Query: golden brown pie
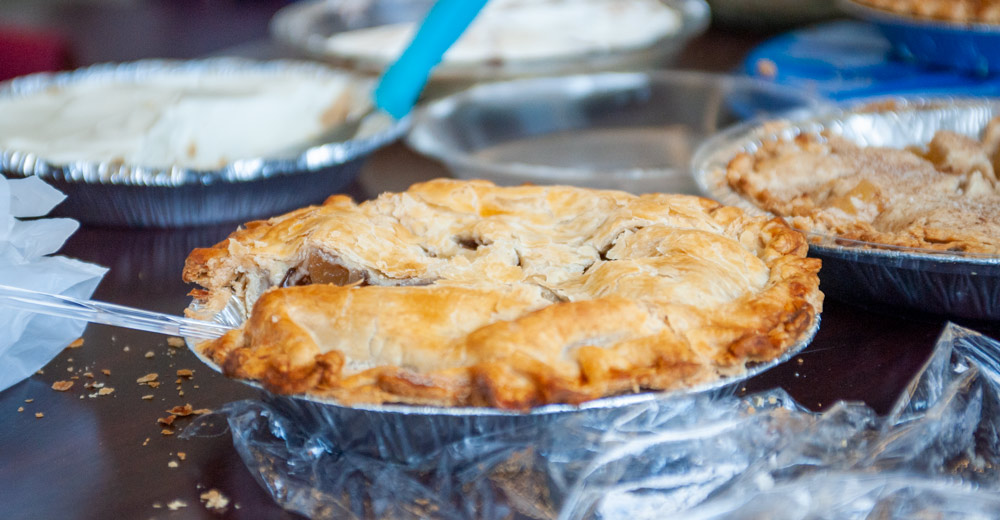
462, 293
963, 11
943, 196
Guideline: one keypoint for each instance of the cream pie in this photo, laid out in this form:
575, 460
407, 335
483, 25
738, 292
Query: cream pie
462, 293
941, 196
513, 31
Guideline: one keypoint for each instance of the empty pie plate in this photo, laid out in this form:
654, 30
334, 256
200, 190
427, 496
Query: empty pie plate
927, 267
629, 131
180, 143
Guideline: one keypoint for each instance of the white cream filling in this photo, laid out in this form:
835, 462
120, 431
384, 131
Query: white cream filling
520, 30
192, 120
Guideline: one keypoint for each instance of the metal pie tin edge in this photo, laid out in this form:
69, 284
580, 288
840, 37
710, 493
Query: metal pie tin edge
965, 285
235, 312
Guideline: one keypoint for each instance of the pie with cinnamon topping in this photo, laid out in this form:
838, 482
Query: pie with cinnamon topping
462, 293
942, 196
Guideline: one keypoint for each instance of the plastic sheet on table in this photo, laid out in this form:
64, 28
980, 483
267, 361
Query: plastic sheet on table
27, 244
706, 456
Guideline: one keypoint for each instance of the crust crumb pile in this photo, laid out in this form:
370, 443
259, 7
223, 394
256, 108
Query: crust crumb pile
462, 293
213, 499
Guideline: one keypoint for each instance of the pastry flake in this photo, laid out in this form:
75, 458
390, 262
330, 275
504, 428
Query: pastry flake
462, 293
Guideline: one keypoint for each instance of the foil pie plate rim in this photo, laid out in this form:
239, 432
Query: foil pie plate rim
234, 312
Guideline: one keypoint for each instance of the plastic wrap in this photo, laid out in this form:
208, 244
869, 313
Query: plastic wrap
29, 341
704, 456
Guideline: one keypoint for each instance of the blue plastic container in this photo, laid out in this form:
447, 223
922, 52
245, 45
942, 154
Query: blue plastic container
967, 47
853, 60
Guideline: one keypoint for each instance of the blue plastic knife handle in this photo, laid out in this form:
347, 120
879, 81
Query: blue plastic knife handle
402, 82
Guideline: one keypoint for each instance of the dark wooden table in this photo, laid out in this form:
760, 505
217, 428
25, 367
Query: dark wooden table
105, 457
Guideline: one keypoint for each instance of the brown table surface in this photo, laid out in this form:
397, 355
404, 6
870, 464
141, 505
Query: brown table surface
105, 457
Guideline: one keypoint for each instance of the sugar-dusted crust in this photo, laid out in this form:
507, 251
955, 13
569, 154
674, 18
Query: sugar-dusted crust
962, 11
944, 196
466, 294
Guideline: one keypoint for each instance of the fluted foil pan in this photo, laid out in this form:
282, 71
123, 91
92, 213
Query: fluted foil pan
957, 284
115, 194
399, 432
763, 456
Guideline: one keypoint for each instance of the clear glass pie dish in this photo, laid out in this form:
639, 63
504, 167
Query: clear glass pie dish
629, 131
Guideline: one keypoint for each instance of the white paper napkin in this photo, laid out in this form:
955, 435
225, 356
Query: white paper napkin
29, 341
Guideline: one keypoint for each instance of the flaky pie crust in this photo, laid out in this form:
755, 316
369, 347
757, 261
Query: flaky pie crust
462, 293
943, 196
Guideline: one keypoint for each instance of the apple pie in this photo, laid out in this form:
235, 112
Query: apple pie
943, 196
462, 293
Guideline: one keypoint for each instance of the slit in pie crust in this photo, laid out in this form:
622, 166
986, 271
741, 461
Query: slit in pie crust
462, 293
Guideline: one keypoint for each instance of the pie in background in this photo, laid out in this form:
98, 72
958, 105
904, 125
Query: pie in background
962, 11
943, 196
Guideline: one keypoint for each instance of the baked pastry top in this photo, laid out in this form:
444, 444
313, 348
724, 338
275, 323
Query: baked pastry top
944, 196
962, 11
462, 293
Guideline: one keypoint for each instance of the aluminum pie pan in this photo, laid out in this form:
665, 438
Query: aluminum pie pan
401, 432
954, 284
116, 194
305, 26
